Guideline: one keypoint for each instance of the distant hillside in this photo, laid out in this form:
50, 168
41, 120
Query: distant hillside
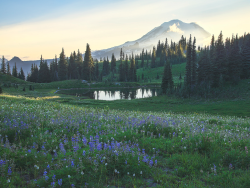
26, 65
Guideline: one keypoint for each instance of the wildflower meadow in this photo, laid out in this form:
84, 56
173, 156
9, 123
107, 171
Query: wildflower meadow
47, 144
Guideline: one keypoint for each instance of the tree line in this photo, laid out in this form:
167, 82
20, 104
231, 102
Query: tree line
212, 66
207, 67
15, 73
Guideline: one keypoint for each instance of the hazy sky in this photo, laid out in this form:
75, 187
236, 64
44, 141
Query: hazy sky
29, 28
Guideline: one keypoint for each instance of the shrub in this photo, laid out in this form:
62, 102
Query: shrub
1, 90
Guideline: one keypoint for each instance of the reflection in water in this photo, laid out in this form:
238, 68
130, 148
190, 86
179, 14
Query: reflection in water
120, 94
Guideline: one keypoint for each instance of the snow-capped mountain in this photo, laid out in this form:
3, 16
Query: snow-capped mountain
172, 30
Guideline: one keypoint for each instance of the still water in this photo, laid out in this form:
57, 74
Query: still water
114, 94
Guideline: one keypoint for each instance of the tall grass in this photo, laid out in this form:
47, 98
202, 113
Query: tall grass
46, 144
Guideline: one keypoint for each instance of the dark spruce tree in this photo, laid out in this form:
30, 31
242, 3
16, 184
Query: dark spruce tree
142, 58
245, 54
113, 64
8, 68
219, 68
79, 65
153, 59
97, 70
126, 69
234, 62
188, 75
88, 65
194, 65
3, 67
21, 74
132, 70
14, 71
167, 78
62, 67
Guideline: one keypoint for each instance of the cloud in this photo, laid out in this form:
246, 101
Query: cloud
174, 28
25, 57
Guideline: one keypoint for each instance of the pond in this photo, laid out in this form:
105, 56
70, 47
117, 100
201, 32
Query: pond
113, 94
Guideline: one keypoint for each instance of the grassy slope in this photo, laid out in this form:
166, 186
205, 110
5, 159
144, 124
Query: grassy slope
152, 73
4, 78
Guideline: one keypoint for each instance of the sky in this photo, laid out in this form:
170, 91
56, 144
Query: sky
29, 29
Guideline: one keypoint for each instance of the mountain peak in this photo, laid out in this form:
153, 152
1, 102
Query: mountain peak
16, 59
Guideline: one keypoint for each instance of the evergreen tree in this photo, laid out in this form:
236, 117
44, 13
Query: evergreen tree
153, 60
162, 59
194, 66
79, 65
245, 54
126, 69
97, 70
121, 72
147, 58
113, 63
62, 67
14, 71
8, 68
219, 67
204, 69
188, 76
88, 65
132, 77
44, 73
234, 62
142, 58
167, 78
3, 67
158, 50
72, 70
21, 74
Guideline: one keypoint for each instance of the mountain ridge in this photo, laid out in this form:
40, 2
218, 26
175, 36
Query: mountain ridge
172, 30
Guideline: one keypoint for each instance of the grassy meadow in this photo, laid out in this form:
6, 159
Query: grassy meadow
47, 144
57, 140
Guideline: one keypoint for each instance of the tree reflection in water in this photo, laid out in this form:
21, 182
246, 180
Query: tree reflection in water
120, 94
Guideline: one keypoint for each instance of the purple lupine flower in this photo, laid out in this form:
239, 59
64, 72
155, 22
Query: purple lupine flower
99, 146
91, 146
48, 167
45, 173
150, 162
156, 162
72, 163
9, 171
83, 153
126, 162
60, 182
29, 151
2, 162
75, 148
54, 177
143, 151
53, 184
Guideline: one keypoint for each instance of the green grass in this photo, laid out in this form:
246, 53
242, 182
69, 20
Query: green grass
4, 78
232, 101
152, 73
192, 150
